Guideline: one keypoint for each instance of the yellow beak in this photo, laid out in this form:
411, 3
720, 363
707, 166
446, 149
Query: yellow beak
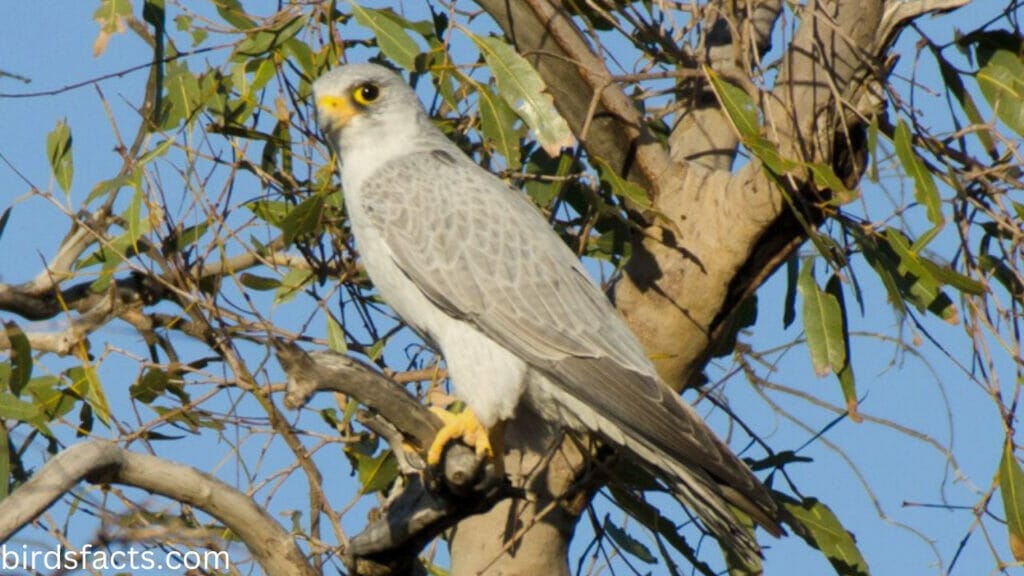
335, 112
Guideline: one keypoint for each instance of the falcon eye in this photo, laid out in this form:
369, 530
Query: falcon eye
366, 93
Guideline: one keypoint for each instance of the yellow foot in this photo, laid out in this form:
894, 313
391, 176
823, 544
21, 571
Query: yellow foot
464, 426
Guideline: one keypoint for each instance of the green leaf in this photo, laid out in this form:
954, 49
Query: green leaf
183, 96
497, 122
612, 245
104, 187
925, 191
834, 287
1018, 209
826, 179
910, 261
259, 283
1003, 274
392, 39
256, 44
5, 463
58, 149
110, 11
336, 336
1011, 488
768, 153
916, 282
652, 518
873, 149
951, 277
15, 408
184, 23
303, 219
302, 55
821, 529
266, 40
629, 191
823, 324
87, 383
544, 192
50, 399
884, 262
376, 349
524, 90
291, 285
737, 104
21, 357
272, 212
233, 13
351, 407
150, 386
625, 541
111, 16
376, 472
155, 152
1001, 79
133, 216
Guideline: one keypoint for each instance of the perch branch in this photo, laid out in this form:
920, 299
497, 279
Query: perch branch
423, 509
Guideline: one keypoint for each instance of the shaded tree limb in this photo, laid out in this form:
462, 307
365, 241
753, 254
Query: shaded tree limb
424, 508
103, 462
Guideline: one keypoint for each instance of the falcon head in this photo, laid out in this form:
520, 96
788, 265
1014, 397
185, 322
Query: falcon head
360, 104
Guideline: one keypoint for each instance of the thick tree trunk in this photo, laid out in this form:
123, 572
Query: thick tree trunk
526, 537
726, 231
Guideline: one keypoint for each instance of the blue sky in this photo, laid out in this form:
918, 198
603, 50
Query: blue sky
916, 392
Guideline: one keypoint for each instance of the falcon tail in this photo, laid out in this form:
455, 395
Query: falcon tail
644, 418
711, 501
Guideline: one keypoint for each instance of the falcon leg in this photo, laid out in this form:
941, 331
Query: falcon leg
464, 426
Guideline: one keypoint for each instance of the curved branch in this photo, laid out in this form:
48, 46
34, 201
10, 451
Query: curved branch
423, 509
103, 462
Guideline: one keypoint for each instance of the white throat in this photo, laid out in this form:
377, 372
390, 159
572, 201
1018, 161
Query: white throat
408, 131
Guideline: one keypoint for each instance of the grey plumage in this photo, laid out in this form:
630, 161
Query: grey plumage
479, 264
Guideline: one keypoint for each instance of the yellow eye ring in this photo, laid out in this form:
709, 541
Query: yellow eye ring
366, 93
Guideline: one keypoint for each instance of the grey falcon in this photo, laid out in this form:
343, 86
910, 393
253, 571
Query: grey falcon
470, 264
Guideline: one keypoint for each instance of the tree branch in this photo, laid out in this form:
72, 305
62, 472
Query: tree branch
422, 510
103, 462
682, 286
